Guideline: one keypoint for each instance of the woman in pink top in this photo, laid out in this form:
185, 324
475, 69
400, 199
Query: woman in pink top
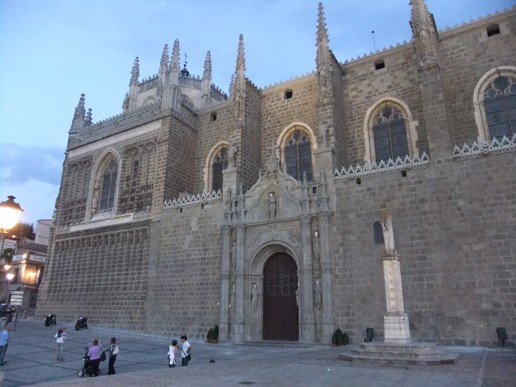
94, 354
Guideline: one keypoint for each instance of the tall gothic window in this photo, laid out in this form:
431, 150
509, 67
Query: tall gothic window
298, 155
500, 107
109, 177
220, 162
390, 134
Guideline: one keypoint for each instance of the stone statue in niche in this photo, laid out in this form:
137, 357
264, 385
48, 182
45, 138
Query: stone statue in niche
232, 151
254, 295
297, 295
316, 246
95, 200
233, 254
232, 297
388, 235
318, 294
272, 210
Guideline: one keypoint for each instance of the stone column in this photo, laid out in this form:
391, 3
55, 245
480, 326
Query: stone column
396, 323
239, 321
224, 294
328, 322
305, 287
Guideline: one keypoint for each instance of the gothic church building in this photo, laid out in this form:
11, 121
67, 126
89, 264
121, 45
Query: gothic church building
261, 211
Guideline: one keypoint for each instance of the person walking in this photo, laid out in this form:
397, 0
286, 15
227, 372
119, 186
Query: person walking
185, 351
94, 353
5, 335
172, 354
113, 351
60, 339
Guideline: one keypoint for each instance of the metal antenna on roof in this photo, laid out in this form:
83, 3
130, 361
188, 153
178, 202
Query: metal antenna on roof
374, 44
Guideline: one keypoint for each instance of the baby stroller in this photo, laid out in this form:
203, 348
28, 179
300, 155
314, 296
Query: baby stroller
86, 367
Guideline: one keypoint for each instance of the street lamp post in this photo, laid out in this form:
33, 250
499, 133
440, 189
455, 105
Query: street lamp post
10, 213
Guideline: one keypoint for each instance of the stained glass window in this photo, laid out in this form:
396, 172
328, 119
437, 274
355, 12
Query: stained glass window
109, 176
220, 163
390, 134
500, 107
298, 155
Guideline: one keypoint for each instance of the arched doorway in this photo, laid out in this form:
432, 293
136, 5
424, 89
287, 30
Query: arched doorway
280, 309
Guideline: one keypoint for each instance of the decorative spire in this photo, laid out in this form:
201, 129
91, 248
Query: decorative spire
239, 86
163, 65
241, 55
424, 33
206, 81
78, 116
207, 67
135, 73
322, 41
88, 120
134, 86
163, 71
174, 61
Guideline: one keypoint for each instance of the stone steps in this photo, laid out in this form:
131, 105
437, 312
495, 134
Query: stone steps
412, 353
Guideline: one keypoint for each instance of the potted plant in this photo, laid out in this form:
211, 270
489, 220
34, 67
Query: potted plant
213, 335
339, 338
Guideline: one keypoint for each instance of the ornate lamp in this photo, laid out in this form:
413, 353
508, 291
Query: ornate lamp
10, 213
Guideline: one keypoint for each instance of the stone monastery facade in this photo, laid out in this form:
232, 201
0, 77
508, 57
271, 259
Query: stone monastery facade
264, 211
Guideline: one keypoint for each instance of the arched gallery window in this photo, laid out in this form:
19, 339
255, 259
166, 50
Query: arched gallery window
389, 130
298, 154
220, 162
495, 103
108, 185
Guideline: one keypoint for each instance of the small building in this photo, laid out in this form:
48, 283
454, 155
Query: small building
27, 265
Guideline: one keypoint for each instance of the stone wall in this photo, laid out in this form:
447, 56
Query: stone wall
455, 230
100, 273
465, 56
185, 271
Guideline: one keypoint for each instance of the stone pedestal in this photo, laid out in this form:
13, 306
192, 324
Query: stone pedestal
396, 329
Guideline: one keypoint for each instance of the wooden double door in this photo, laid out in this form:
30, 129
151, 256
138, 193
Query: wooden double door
280, 300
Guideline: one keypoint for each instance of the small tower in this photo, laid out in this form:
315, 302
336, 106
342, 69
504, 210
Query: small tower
435, 113
424, 33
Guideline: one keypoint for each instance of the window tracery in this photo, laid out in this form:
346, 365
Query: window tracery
298, 154
500, 106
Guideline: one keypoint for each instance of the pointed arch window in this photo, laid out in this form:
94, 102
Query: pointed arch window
108, 180
220, 162
500, 106
298, 155
389, 133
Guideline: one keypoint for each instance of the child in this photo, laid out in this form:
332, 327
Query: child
172, 354
60, 339
113, 351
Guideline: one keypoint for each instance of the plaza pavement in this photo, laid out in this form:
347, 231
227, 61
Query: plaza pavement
142, 362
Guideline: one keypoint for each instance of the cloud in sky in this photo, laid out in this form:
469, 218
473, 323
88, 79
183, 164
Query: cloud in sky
53, 50
32, 174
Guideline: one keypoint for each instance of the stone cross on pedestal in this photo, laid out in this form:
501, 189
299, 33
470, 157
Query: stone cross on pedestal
396, 323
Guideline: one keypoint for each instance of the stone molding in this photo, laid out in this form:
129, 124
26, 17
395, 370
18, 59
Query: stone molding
383, 166
484, 148
193, 200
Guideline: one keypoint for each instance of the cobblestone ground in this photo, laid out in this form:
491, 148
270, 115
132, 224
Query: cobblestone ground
142, 361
